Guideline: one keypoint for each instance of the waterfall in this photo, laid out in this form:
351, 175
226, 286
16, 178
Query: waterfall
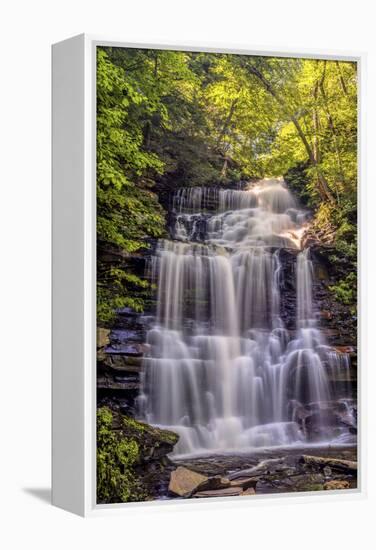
222, 370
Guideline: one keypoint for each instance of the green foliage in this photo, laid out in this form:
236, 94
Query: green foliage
116, 455
345, 290
168, 119
127, 211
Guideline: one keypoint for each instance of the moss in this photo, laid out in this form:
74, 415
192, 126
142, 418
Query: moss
124, 449
132, 423
312, 487
144, 433
116, 456
345, 289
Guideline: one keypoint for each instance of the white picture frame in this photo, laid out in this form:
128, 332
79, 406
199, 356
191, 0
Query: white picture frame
74, 275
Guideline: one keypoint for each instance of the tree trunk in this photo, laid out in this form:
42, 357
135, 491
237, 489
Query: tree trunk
224, 168
341, 79
227, 121
332, 126
323, 187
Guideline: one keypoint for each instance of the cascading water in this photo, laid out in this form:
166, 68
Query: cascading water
222, 371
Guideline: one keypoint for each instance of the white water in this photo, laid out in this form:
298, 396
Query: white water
222, 370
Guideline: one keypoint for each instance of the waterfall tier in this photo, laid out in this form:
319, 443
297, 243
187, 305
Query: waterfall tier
222, 370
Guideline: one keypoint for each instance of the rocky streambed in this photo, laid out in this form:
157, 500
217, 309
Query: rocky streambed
265, 471
139, 458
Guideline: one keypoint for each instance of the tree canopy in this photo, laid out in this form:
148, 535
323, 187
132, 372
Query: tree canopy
167, 119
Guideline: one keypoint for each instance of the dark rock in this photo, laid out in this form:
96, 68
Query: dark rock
153, 442
245, 482
117, 383
124, 363
333, 463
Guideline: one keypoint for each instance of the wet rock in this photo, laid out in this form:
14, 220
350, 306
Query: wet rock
184, 482
120, 337
245, 482
265, 467
345, 349
124, 363
227, 492
334, 463
325, 314
215, 482
336, 484
117, 383
279, 471
153, 442
130, 349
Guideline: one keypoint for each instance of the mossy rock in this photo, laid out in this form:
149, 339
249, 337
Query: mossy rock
154, 443
126, 451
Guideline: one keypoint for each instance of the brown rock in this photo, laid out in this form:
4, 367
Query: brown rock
103, 337
325, 314
335, 484
215, 482
248, 492
344, 349
124, 363
227, 492
184, 482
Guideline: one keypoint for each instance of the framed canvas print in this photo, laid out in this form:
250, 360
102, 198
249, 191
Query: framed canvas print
205, 230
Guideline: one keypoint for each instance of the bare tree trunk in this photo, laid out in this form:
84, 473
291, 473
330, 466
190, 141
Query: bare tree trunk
156, 65
227, 121
224, 167
332, 126
316, 125
341, 79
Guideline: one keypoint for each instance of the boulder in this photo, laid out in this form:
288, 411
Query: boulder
184, 482
133, 457
153, 442
215, 482
336, 484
